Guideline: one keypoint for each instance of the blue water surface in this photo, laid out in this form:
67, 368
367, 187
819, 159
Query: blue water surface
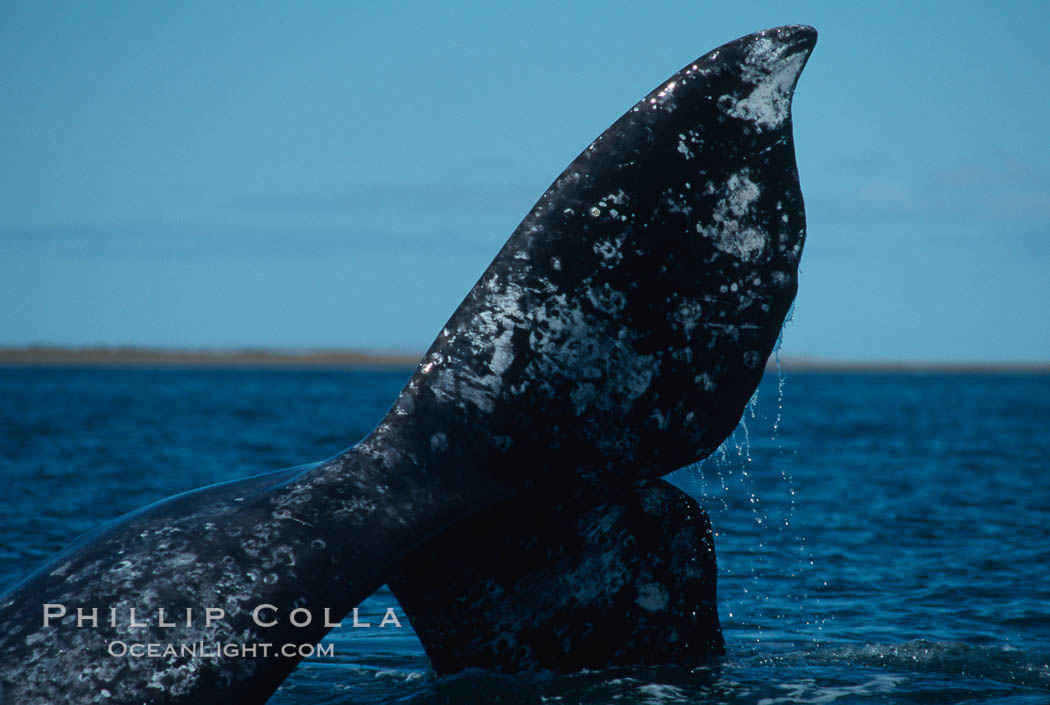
882, 538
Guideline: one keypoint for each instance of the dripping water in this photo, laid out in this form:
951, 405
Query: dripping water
774, 533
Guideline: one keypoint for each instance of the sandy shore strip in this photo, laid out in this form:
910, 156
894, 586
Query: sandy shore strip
56, 356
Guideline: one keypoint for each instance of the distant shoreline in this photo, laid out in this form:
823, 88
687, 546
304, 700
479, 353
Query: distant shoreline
144, 357
54, 356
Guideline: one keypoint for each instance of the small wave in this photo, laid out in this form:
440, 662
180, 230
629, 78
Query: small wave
808, 691
339, 684
663, 693
1000, 663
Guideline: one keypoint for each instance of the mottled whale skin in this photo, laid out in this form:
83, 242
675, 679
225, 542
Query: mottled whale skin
591, 577
617, 336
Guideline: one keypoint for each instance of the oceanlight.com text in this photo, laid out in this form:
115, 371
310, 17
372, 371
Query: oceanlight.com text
205, 650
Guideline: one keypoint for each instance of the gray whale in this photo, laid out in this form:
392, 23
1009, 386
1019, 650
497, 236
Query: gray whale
617, 336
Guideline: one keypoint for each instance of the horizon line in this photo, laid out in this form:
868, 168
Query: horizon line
40, 355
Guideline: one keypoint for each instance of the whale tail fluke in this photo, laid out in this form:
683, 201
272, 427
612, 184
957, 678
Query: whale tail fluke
627, 321
589, 578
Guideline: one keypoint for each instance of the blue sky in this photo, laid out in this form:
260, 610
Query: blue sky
339, 174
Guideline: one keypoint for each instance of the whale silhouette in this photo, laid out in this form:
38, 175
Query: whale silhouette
617, 336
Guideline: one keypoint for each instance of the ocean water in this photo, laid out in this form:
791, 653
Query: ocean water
881, 538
